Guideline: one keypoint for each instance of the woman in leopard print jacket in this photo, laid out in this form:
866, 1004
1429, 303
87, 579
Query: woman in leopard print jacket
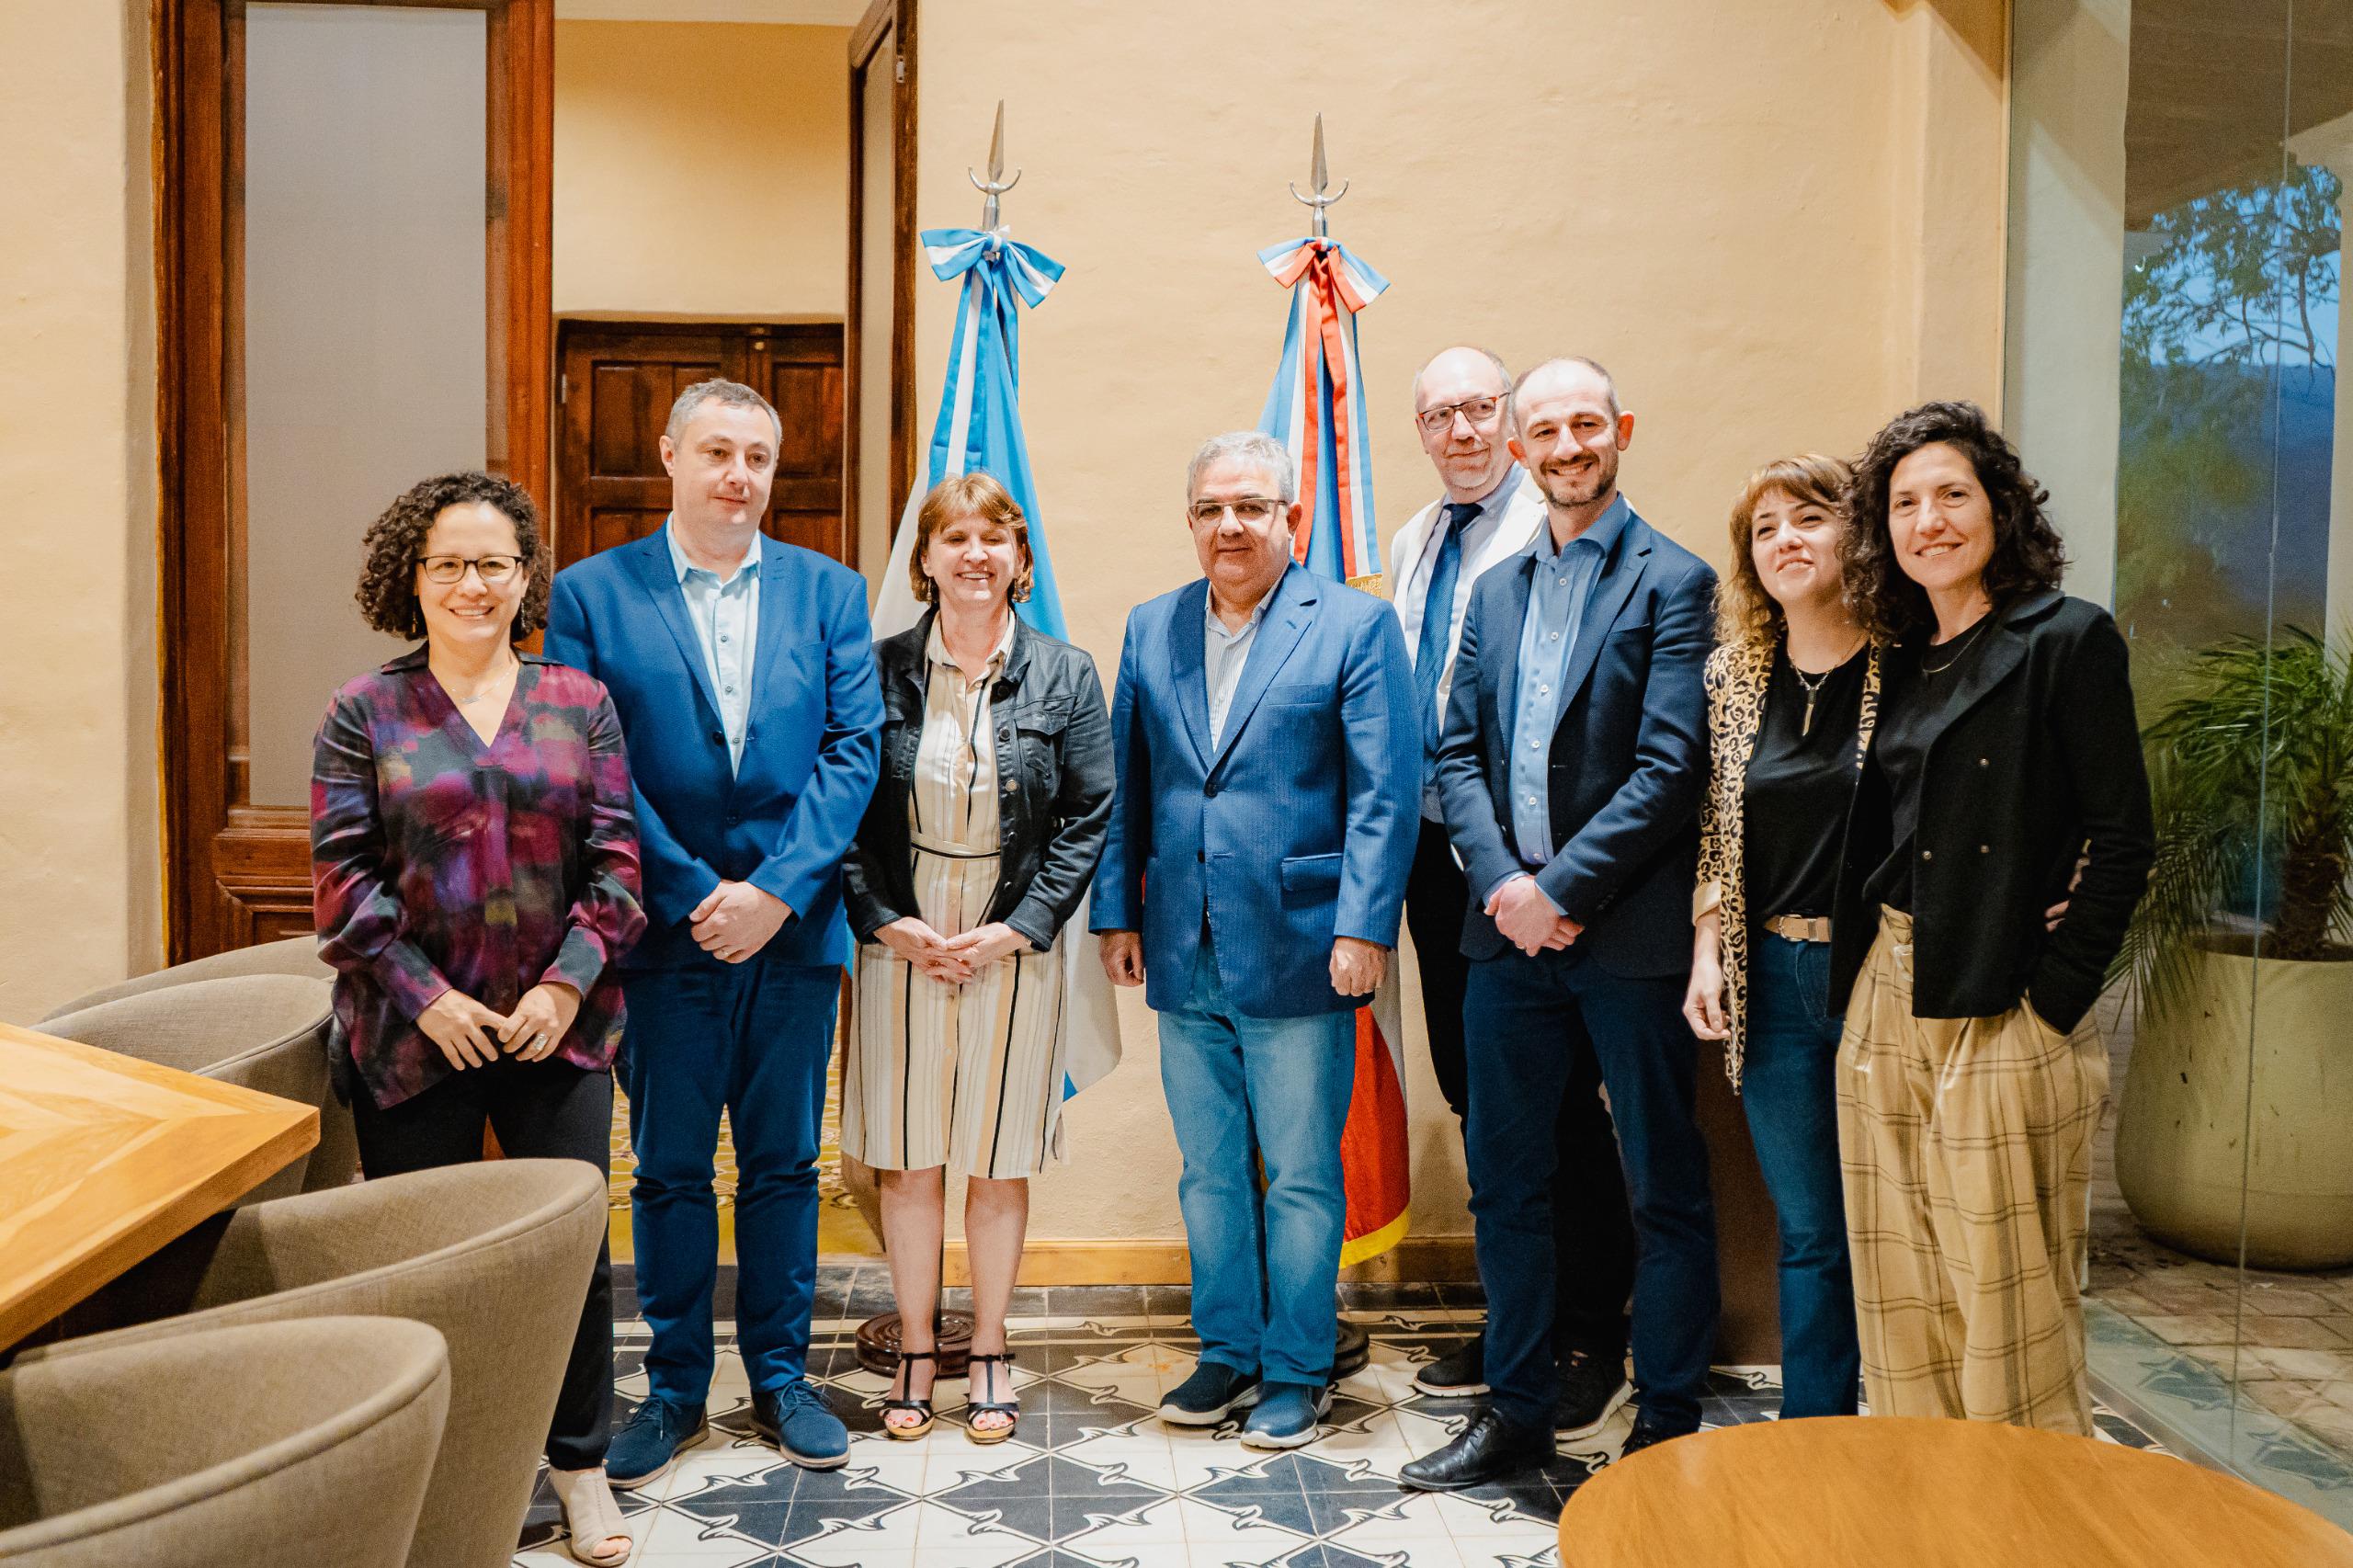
1792, 690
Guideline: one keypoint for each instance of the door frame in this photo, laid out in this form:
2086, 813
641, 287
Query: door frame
227, 863
891, 22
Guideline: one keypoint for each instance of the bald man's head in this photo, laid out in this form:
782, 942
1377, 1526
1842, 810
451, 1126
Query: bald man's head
1574, 367
1462, 411
1568, 429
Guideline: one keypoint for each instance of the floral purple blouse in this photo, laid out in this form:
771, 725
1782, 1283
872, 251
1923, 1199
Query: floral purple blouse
438, 862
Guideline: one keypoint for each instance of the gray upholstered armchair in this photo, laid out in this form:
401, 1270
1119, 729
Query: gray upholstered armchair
295, 955
496, 1255
286, 1445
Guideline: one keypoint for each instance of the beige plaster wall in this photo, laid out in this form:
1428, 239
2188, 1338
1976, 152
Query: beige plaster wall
701, 168
1777, 224
80, 842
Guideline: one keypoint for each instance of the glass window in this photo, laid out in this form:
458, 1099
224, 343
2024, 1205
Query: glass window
2179, 178
365, 295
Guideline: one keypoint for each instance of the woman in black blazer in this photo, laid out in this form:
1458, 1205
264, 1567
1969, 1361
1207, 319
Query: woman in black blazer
1971, 1082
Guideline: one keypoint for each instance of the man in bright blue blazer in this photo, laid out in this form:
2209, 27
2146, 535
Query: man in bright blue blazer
743, 674
1264, 823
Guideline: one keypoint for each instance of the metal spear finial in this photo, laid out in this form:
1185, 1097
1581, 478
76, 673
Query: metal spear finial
1323, 177
996, 184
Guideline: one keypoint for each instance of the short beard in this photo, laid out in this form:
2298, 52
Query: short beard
1573, 492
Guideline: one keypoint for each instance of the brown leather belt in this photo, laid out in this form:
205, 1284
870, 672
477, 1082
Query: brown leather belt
1800, 927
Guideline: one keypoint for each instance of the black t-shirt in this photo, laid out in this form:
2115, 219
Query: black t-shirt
1799, 779
1922, 680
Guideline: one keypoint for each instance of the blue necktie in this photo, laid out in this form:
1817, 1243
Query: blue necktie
1438, 622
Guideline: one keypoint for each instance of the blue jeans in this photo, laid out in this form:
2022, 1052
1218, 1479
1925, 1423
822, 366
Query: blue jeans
752, 1039
1789, 1088
1266, 1263
1527, 1024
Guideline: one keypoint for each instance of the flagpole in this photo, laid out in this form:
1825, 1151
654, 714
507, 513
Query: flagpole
1317, 408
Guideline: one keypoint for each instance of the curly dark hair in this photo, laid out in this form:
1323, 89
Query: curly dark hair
2028, 553
387, 592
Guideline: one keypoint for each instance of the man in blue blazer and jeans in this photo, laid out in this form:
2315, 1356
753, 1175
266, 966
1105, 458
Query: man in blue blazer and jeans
743, 674
1570, 769
1270, 782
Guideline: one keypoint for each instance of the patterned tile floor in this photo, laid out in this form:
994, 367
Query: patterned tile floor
1092, 1480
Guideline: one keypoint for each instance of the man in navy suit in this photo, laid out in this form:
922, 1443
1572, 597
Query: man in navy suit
1570, 769
743, 674
1269, 774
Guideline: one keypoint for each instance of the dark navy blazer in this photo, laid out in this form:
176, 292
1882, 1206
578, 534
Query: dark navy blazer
1629, 754
782, 820
1298, 828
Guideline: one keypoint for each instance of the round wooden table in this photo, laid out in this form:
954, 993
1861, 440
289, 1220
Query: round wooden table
1868, 1492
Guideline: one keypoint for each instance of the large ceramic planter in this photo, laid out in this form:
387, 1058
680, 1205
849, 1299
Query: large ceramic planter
2186, 1143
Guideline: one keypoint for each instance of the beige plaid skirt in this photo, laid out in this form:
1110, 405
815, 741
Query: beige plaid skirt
1967, 1150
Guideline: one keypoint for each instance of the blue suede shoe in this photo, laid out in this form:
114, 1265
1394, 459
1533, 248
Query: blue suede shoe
657, 1433
805, 1428
1214, 1392
1286, 1415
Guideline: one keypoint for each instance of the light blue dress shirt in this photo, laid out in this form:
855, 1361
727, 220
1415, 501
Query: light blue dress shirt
1223, 655
1562, 584
726, 616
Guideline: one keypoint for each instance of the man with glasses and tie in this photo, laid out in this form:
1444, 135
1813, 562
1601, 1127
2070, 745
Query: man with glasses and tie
1490, 513
1261, 831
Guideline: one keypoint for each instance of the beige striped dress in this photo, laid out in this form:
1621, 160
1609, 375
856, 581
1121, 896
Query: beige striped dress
967, 1076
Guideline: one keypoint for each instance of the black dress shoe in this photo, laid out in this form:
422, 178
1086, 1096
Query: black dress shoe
1460, 1373
1592, 1388
1650, 1434
1491, 1447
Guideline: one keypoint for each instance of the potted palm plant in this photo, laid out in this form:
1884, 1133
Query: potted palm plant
2237, 1110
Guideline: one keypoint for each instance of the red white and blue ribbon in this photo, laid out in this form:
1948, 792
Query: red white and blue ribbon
1317, 410
1316, 406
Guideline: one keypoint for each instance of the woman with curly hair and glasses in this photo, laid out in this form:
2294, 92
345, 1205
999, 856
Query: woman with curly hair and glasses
1793, 689
1971, 1081
474, 874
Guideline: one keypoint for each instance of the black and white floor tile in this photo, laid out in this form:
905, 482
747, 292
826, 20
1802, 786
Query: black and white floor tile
1091, 1479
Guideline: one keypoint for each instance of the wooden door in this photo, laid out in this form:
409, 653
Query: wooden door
234, 751
616, 385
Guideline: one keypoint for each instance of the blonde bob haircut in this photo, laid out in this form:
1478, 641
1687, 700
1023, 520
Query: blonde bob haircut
976, 496
1747, 616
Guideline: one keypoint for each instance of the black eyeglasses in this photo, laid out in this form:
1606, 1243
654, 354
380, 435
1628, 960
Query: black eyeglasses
447, 569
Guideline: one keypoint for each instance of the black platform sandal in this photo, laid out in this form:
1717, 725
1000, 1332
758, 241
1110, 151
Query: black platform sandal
920, 1406
987, 1435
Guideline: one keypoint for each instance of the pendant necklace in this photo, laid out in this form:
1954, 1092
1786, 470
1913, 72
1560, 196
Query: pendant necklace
1813, 689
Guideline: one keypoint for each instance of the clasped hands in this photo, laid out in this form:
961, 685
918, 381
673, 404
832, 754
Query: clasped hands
1527, 917
951, 961
464, 1029
1357, 965
735, 920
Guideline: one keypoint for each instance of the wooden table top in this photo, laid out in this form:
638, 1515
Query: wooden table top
103, 1158
1866, 1492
